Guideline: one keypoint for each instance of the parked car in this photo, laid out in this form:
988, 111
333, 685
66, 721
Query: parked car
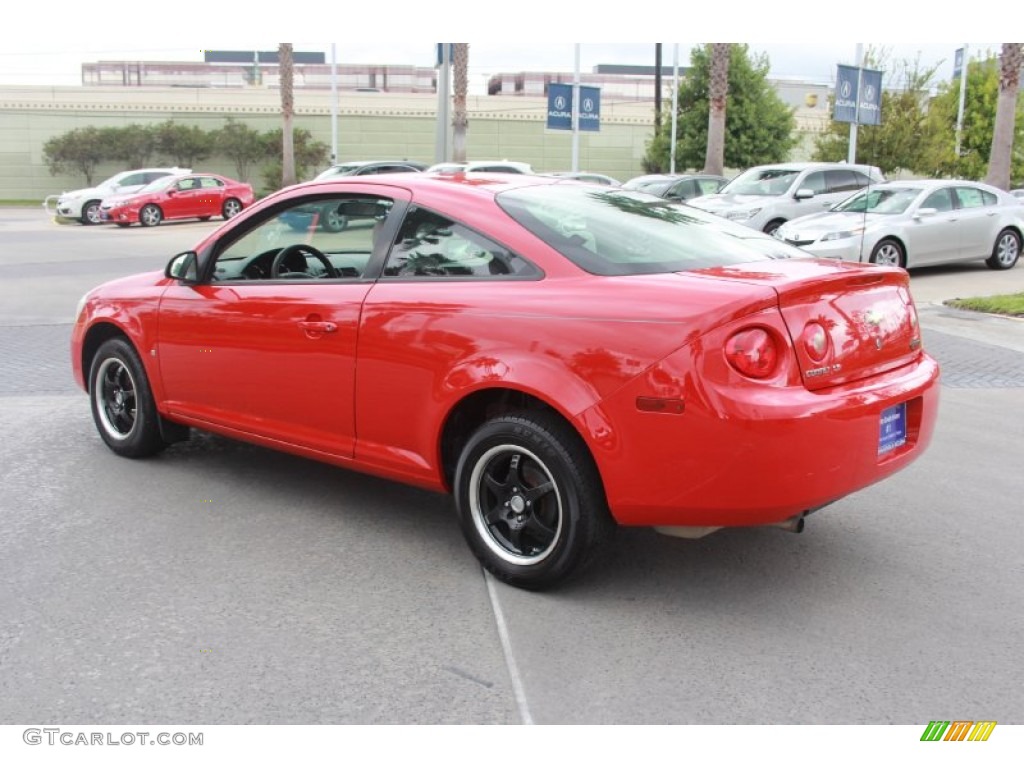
593, 178
84, 204
767, 196
914, 224
1019, 193
679, 186
561, 358
482, 166
371, 167
193, 196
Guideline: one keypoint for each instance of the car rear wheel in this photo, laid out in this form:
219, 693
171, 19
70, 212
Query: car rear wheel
122, 403
91, 212
232, 207
530, 500
889, 253
333, 221
150, 215
1006, 251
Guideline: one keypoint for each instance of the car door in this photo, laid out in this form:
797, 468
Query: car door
272, 353
933, 238
211, 196
183, 199
978, 216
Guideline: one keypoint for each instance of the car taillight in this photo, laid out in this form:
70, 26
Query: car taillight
753, 353
815, 341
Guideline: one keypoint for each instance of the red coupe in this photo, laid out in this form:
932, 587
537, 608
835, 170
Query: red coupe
195, 196
560, 357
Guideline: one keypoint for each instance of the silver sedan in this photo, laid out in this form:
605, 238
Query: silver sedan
915, 224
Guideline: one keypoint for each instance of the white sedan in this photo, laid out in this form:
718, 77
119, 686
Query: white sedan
914, 224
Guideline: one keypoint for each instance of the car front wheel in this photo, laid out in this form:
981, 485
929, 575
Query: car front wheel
91, 212
122, 403
150, 215
889, 253
1006, 251
530, 500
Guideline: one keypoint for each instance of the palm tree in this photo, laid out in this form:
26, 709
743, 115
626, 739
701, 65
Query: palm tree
285, 62
1001, 155
461, 82
718, 91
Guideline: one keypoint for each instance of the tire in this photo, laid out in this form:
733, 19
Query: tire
530, 500
1006, 251
231, 207
889, 253
122, 224
771, 226
205, 218
150, 215
91, 213
332, 221
122, 402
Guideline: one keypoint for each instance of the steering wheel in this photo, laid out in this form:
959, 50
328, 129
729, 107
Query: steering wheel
304, 250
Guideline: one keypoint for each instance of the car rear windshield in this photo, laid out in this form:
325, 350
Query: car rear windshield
616, 232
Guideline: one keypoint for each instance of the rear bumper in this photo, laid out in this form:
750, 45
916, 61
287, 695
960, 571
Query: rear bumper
747, 455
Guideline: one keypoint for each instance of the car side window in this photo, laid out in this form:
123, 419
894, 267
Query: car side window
187, 184
682, 190
151, 176
939, 200
815, 182
842, 181
968, 197
431, 245
133, 180
208, 182
311, 239
710, 186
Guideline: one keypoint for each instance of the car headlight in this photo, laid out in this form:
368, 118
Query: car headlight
81, 305
744, 215
843, 235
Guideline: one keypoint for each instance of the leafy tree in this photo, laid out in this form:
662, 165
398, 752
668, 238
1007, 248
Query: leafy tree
184, 144
242, 145
133, 144
938, 158
77, 151
898, 143
759, 127
308, 154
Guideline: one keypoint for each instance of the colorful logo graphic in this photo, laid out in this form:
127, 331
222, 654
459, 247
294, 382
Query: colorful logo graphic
958, 730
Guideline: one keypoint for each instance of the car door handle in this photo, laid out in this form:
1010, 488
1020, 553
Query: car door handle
313, 326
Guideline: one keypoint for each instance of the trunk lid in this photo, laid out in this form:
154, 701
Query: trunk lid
867, 314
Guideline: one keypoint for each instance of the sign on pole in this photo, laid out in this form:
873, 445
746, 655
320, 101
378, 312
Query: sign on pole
958, 62
845, 108
858, 96
560, 107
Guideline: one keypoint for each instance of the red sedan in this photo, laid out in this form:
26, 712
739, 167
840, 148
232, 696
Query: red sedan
561, 358
196, 196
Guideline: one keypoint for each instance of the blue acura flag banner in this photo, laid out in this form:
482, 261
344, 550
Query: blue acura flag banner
560, 107
870, 97
845, 110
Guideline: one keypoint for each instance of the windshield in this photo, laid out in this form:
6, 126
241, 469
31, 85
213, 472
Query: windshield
891, 200
764, 181
654, 186
616, 232
159, 184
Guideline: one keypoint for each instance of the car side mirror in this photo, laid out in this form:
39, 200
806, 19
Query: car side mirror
804, 194
925, 212
183, 267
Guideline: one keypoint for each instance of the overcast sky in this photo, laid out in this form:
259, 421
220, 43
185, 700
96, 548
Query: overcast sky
807, 39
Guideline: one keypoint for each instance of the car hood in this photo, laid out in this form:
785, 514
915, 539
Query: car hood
94, 191
831, 221
719, 202
124, 197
